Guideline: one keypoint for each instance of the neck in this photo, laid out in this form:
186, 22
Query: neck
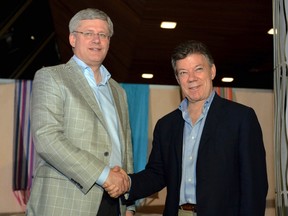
97, 76
195, 110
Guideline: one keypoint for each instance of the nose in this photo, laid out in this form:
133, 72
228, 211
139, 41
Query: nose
192, 76
96, 38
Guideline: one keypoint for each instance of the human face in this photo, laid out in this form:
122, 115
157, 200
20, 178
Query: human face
195, 75
91, 50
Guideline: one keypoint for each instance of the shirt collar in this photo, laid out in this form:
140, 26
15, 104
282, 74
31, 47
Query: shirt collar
184, 104
104, 72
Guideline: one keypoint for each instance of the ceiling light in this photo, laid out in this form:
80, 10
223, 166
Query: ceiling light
147, 76
168, 25
227, 79
272, 32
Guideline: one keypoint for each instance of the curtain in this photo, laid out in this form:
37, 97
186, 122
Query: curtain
138, 105
280, 26
23, 158
225, 92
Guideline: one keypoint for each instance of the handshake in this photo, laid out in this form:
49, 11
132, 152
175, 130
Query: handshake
117, 182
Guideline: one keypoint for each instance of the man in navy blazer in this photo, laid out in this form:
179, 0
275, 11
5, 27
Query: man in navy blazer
209, 152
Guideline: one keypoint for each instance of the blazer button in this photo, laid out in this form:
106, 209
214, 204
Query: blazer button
106, 154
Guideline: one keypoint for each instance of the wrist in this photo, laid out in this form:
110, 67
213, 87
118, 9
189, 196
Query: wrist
130, 212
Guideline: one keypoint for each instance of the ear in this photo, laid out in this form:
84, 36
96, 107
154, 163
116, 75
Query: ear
213, 71
72, 39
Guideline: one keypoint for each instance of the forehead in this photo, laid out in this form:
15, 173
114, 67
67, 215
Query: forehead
93, 23
192, 60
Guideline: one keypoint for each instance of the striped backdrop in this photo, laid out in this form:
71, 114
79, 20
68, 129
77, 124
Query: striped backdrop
23, 158
225, 92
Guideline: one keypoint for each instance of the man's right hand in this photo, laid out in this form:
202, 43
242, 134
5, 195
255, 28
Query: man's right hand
117, 182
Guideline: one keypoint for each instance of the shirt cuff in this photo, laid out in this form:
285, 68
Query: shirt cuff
103, 177
131, 208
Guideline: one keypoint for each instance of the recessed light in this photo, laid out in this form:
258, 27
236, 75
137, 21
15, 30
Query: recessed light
272, 32
147, 76
168, 25
227, 79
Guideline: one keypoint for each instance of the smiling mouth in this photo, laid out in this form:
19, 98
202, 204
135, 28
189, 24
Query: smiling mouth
194, 87
95, 49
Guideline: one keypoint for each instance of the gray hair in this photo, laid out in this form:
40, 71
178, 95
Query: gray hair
90, 14
190, 47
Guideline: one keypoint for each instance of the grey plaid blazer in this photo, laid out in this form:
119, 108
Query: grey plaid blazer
72, 142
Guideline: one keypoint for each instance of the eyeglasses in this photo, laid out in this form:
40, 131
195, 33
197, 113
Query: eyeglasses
90, 35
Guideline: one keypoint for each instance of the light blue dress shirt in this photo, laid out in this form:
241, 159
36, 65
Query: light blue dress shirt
105, 100
191, 139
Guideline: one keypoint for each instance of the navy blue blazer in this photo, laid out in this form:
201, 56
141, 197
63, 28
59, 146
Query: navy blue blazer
231, 166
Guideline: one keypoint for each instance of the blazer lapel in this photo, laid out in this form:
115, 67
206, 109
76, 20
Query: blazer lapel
114, 92
212, 120
118, 106
178, 140
79, 80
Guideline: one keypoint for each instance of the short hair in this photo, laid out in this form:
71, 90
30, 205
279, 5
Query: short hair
190, 47
90, 14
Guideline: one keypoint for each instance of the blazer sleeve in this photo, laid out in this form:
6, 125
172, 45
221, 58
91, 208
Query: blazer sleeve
253, 174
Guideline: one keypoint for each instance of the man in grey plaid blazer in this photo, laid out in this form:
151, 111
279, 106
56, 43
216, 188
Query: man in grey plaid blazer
78, 134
